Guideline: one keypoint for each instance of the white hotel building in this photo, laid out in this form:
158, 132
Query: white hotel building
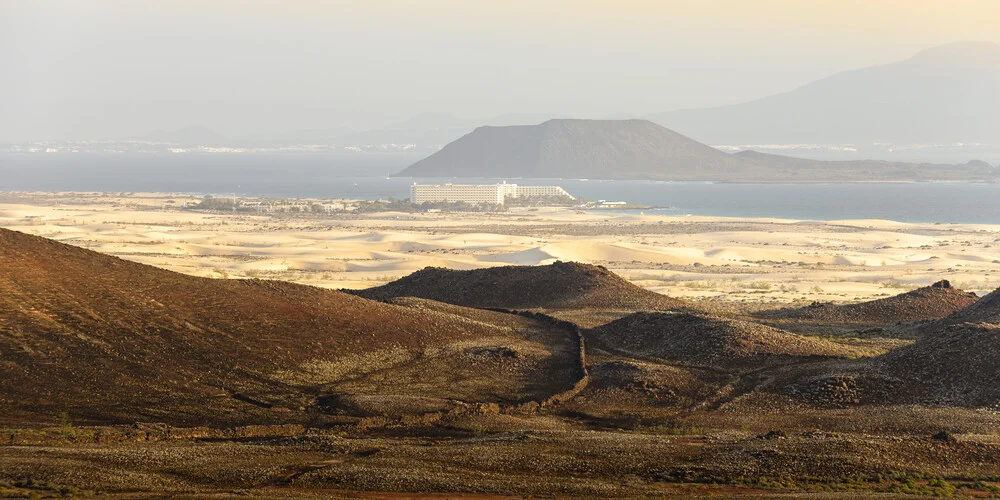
493, 194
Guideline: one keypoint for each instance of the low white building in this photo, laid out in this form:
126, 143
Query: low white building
493, 194
540, 191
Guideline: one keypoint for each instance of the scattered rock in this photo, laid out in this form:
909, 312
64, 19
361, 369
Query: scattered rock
773, 434
835, 392
955, 365
931, 302
496, 353
945, 436
707, 340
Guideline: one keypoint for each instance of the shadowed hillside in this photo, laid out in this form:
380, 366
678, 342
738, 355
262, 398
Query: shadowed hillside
986, 310
706, 340
110, 340
930, 302
561, 285
951, 366
958, 366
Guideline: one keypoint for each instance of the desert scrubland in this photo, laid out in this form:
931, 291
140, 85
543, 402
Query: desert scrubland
149, 349
698, 258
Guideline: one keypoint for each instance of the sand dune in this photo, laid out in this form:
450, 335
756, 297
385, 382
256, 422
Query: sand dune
694, 257
599, 252
530, 257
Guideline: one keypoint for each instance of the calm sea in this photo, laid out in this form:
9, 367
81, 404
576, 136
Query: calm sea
364, 176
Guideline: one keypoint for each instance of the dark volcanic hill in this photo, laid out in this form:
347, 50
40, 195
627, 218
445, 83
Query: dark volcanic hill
705, 340
931, 302
640, 149
561, 285
109, 340
942, 95
986, 310
956, 366
599, 149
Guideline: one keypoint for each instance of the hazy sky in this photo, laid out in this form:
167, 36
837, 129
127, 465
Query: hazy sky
96, 69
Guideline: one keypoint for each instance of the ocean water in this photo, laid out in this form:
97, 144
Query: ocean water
366, 177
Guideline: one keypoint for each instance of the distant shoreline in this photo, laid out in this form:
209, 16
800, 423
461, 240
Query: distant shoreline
925, 201
709, 181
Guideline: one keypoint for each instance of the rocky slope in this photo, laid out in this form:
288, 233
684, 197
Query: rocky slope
110, 340
705, 340
985, 310
957, 366
930, 302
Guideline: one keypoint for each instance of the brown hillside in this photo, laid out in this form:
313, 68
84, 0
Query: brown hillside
986, 310
561, 285
958, 366
705, 340
623, 389
492, 318
930, 302
111, 340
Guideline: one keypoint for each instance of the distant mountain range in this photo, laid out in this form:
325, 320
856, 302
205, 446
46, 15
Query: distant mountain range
640, 149
940, 104
942, 95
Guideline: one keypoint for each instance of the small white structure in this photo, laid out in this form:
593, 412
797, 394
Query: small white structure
540, 191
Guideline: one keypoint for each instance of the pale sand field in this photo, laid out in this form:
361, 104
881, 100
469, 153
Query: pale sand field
766, 260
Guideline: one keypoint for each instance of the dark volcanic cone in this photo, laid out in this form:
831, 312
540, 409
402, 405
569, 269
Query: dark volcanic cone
562, 285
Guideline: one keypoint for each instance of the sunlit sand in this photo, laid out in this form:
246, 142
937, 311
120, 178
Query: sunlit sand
711, 258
